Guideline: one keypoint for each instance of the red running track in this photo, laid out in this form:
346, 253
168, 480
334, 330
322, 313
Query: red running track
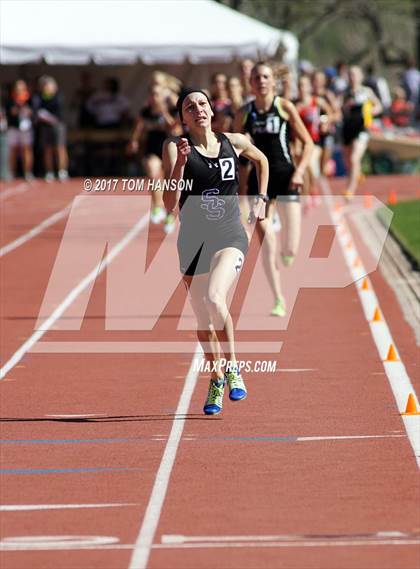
265, 485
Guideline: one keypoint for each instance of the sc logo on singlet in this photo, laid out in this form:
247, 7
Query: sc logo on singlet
213, 204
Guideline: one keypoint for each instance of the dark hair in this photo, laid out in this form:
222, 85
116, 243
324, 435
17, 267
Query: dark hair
184, 94
261, 64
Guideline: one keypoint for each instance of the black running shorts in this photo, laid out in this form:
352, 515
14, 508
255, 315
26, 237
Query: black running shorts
196, 251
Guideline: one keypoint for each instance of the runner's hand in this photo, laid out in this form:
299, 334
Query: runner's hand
133, 147
257, 211
183, 151
297, 180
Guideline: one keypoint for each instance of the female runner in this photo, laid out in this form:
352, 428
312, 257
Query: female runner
212, 242
271, 120
360, 105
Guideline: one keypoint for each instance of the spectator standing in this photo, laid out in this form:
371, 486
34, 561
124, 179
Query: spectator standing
48, 110
401, 110
19, 115
4, 149
85, 91
109, 108
220, 102
411, 82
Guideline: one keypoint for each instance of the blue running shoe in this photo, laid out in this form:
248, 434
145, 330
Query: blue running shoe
237, 389
214, 401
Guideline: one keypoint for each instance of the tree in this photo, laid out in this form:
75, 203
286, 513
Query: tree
385, 32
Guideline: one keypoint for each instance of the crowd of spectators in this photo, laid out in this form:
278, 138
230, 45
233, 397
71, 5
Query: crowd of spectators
32, 116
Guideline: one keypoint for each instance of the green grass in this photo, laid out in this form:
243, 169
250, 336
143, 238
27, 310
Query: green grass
405, 226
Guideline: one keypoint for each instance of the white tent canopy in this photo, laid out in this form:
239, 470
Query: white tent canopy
115, 32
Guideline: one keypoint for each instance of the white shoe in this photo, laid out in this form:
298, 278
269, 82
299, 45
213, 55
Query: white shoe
158, 214
63, 175
169, 224
49, 177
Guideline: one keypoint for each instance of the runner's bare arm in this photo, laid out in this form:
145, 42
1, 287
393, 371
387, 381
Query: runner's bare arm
244, 147
303, 135
174, 158
327, 110
238, 121
133, 145
335, 105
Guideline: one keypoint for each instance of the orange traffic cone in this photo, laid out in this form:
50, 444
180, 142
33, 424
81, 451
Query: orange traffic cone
411, 408
392, 197
377, 316
365, 284
392, 354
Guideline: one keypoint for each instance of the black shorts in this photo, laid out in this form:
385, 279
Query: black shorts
153, 150
352, 129
325, 141
196, 251
350, 136
52, 134
278, 184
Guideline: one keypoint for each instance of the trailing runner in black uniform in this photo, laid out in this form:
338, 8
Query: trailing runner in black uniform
270, 121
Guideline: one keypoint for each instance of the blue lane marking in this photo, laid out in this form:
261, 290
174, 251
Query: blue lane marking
290, 439
287, 439
59, 470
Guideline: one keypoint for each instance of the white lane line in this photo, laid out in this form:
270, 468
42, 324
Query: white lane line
73, 294
308, 543
146, 535
56, 542
293, 439
179, 538
35, 230
396, 373
35, 507
349, 437
148, 347
78, 416
84, 544
10, 192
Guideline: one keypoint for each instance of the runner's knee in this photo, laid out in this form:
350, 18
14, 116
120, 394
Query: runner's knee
216, 301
